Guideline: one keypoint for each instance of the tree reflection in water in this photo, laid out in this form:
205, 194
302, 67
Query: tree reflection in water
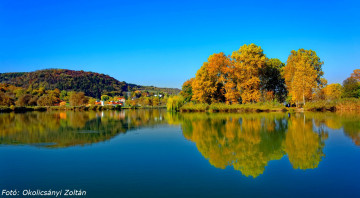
246, 142
62, 129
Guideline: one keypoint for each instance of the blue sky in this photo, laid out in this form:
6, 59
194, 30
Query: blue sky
164, 43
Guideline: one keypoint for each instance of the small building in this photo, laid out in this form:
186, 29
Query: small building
120, 101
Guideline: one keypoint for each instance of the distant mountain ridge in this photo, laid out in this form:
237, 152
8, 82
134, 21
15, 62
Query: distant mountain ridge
91, 83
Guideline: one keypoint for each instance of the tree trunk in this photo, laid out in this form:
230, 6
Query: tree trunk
304, 98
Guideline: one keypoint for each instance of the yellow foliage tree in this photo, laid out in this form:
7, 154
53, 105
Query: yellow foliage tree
333, 91
302, 74
247, 63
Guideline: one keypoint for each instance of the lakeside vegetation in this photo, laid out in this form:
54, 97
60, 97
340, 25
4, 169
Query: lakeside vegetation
247, 80
60, 89
222, 107
91, 83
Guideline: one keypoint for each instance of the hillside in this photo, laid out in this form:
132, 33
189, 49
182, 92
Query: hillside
91, 83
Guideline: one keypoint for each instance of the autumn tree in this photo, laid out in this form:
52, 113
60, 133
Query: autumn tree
155, 101
333, 91
209, 83
248, 61
78, 98
272, 82
302, 73
356, 75
46, 100
203, 87
6, 99
23, 100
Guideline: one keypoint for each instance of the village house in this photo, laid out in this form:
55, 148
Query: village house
119, 101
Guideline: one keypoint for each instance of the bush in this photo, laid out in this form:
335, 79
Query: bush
192, 107
5, 109
23, 109
222, 107
118, 107
37, 108
93, 107
333, 105
348, 104
174, 103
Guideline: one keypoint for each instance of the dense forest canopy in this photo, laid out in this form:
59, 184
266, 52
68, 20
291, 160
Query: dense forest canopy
91, 83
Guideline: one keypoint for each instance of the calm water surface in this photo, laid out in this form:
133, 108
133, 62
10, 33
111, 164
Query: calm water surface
153, 153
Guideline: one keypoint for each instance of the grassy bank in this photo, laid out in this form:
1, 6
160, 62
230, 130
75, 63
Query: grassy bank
21, 109
57, 108
346, 104
143, 107
221, 107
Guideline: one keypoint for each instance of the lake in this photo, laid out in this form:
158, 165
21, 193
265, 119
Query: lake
154, 153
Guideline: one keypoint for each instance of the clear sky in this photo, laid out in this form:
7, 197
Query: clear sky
164, 43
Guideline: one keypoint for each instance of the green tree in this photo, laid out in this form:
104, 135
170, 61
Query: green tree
186, 90
351, 88
105, 97
272, 80
64, 95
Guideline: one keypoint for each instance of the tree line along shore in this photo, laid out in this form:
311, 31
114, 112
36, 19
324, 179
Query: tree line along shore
64, 89
247, 80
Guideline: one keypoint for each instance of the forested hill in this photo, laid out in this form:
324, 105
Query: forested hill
91, 83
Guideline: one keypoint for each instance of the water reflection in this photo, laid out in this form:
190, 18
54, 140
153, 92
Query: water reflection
303, 145
63, 129
245, 142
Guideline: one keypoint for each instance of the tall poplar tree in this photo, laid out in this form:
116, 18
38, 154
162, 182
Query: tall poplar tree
302, 73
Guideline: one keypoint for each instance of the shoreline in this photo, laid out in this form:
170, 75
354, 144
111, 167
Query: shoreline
204, 108
20, 109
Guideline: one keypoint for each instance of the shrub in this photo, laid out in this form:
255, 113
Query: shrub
174, 103
191, 107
